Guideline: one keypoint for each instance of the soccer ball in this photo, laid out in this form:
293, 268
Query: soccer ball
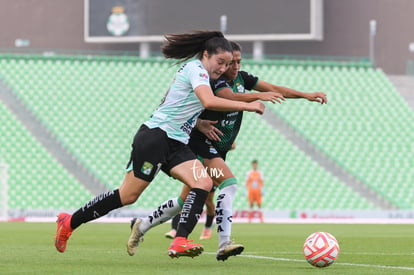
321, 249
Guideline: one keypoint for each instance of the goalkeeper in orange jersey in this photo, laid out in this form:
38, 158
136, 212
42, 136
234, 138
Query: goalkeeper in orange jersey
255, 189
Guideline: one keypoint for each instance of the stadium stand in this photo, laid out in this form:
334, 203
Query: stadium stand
93, 106
36, 180
292, 179
367, 127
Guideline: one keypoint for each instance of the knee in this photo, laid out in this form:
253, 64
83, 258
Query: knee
205, 183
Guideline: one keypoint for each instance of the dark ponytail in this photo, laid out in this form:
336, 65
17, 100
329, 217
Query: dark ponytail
187, 45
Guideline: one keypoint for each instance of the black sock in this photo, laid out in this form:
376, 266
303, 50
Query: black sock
191, 212
209, 220
174, 222
95, 208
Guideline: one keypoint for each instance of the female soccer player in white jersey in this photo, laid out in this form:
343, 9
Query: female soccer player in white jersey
161, 142
212, 148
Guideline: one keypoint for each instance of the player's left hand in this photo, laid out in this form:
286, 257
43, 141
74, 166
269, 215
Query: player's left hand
317, 97
271, 96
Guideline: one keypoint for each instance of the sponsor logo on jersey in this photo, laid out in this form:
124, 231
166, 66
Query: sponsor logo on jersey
189, 124
240, 88
228, 123
218, 83
213, 150
147, 168
182, 68
186, 127
232, 114
203, 75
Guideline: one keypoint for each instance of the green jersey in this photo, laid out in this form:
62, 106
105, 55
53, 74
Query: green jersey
228, 122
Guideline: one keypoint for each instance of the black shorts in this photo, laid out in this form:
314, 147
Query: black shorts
153, 150
203, 148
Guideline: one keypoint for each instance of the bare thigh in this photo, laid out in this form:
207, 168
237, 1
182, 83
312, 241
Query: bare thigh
221, 172
192, 174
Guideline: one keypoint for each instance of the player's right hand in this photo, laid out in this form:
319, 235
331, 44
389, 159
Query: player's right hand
256, 106
209, 130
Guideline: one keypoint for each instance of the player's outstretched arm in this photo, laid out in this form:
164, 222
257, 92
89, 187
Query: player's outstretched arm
263, 86
250, 97
212, 102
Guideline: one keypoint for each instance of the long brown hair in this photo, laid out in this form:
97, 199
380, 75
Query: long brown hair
187, 45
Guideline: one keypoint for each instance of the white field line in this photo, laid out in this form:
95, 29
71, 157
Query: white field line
353, 253
303, 261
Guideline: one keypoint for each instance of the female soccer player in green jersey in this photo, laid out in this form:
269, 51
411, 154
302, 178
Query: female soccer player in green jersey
212, 144
161, 142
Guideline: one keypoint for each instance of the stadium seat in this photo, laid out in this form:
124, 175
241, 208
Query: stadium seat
36, 180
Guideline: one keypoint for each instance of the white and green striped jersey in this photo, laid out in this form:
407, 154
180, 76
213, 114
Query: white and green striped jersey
181, 107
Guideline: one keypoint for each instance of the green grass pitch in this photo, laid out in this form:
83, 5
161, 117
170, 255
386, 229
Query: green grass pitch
99, 248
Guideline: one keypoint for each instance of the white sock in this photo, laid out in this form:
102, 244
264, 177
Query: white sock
164, 212
224, 212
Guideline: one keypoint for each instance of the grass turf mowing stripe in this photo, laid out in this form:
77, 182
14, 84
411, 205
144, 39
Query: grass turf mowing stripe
336, 263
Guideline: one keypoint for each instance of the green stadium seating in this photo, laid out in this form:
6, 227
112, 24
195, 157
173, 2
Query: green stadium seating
36, 179
93, 106
367, 127
292, 179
